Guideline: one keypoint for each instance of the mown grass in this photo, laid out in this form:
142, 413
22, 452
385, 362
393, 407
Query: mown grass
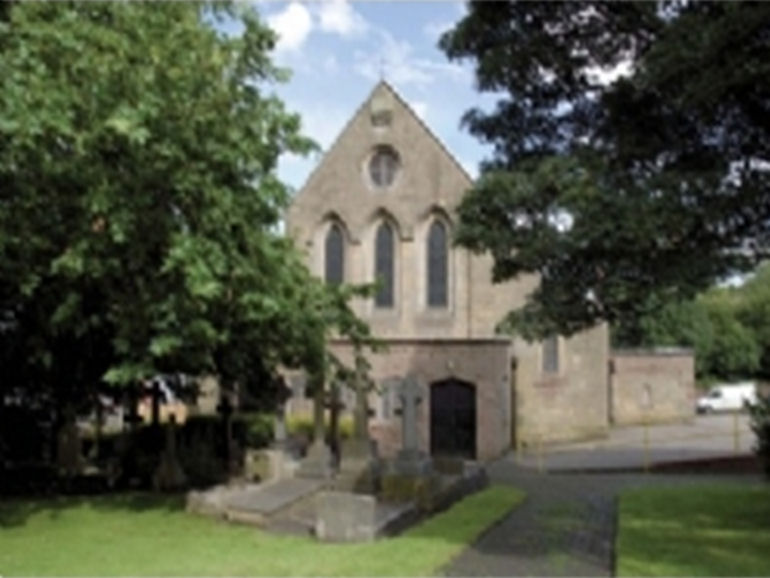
143, 535
719, 530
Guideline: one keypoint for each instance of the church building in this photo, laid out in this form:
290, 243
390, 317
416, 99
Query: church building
381, 206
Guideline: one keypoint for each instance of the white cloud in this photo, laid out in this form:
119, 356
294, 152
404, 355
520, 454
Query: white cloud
395, 60
339, 17
293, 25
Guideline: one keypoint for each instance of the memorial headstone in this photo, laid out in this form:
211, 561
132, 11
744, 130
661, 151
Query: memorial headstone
410, 459
225, 410
360, 469
68, 447
317, 463
335, 406
169, 474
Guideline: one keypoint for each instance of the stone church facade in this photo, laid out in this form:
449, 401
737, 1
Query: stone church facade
381, 205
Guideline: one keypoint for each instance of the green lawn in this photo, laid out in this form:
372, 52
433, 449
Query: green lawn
146, 535
717, 530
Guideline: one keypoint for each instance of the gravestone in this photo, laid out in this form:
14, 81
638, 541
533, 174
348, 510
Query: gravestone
129, 452
169, 474
410, 459
335, 405
283, 394
317, 463
226, 409
273, 463
360, 469
68, 447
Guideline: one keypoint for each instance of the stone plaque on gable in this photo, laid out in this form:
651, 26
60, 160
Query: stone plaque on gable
381, 110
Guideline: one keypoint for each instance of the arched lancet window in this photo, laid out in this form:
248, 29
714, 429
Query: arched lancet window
335, 256
437, 265
383, 265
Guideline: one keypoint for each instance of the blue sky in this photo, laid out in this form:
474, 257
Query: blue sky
337, 50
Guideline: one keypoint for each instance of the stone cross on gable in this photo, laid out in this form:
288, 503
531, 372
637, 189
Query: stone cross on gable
410, 393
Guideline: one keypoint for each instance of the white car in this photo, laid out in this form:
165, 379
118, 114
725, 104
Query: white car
728, 397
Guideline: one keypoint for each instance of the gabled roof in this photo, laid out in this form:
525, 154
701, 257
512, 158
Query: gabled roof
414, 115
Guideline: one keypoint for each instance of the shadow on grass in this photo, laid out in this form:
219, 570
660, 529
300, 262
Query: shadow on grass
16, 511
704, 531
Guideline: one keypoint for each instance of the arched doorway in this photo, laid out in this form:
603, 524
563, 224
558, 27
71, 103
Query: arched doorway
453, 419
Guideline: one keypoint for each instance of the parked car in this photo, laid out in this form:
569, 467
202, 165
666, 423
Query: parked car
727, 397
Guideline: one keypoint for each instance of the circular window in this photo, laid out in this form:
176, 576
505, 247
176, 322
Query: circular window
383, 167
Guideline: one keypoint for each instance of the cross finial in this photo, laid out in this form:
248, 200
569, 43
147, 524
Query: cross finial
382, 68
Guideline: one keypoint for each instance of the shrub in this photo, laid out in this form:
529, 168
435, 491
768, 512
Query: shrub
760, 424
254, 430
303, 425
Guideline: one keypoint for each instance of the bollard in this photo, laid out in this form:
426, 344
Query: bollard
736, 433
646, 426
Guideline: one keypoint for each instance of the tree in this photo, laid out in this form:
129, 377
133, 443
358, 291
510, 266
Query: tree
753, 311
139, 202
631, 148
717, 325
684, 324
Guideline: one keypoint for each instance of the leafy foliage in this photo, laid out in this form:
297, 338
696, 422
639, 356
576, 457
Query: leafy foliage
139, 202
712, 324
753, 312
631, 150
760, 425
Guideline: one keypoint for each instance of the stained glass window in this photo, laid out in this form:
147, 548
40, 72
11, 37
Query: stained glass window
383, 265
383, 166
335, 256
437, 265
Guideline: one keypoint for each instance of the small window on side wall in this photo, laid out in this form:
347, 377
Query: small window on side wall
334, 257
551, 354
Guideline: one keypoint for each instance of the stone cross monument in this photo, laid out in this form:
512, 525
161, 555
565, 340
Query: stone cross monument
410, 460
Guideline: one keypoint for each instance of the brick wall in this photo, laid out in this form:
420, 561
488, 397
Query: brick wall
656, 385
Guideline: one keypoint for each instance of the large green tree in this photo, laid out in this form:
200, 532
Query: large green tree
139, 201
631, 151
753, 311
725, 326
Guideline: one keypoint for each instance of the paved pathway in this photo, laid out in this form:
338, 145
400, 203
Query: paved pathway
565, 527
702, 438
